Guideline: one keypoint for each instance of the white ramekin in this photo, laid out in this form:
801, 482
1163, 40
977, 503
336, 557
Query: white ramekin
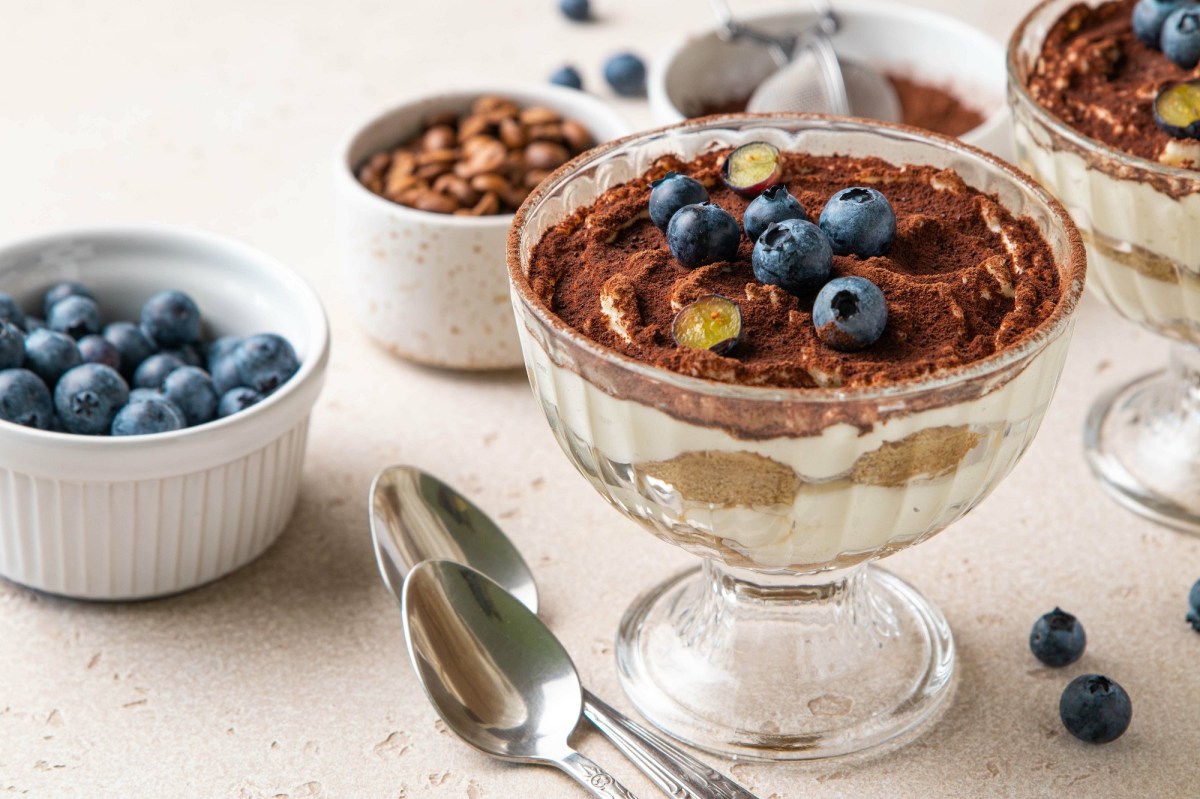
916, 43
433, 288
145, 516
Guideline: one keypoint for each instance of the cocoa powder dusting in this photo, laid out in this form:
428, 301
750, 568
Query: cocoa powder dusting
956, 291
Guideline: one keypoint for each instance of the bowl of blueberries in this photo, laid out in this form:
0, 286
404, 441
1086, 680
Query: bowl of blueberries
155, 390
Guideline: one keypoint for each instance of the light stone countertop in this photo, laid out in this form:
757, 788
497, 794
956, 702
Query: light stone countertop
289, 678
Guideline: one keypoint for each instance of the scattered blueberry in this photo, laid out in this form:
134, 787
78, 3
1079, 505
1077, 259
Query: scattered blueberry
154, 370
88, 397
49, 355
97, 349
60, 291
25, 400
235, 400
567, 76
1180, 39
1149, 16
1095, 709
793, 254
147, 416
131, 343
266, 361
171, 319
191, 389
10, 311
850, 313
578, 10
1057, 639
1194, 606
626, 73
773, 205
859, 221
670, 193
12, 346
703, 234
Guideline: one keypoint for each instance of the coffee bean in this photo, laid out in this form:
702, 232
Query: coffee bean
577, 136
550, 131
440, 137
512, 134
487, 158
535, 176
490, 182
546, 155
487, 205
493, 103
437, 203
473, 126
447, 118
454, 186
398, 183
537, 115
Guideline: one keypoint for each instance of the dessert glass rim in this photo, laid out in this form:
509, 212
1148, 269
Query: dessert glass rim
1071, 277
1017, 85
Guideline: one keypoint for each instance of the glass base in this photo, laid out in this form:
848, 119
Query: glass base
787, 667
1143, 443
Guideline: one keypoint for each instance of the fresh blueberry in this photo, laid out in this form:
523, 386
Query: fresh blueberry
10, 311
190, 354
773, 205
670, 193
147, 416
12, 346
97, 349
60, 291
236, 400
49, 355
1057, 639
76, 316
88, 397
265, 362
143, 394
225, 375
850, 313
793, 254
1149, 16
191, 389
567, 76
859, 221
703, 234
578, 10
171, 319
132, 344
25, 400
626, 73
219, 348
1181, 37
154, 370
1095, 709
1194, 606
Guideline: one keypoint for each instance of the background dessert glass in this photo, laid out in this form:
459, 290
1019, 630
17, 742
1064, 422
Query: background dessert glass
1140, 221
786, 644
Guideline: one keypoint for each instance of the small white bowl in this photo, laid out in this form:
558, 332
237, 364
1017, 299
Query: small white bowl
145, 516
898, 38
433, 288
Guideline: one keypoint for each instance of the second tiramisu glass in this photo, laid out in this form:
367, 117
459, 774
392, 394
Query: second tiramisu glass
787, 643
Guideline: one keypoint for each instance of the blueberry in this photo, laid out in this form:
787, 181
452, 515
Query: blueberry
236, 400
131, 343
25, 400
76, 316
97, 349
171, 319
1149, 16
10, 311
578, 10
1095, 709
12, 346
626, 73
143, 394
265, 362
1181, 37
225, 375
773, 205
49, 355
88, 397
703, 234
859, 221
60, 291
1194, 606
1057, 639
793, 254
154, 370
191, 354
850, 313
191, 389
32, 323
567, 76
147, 416
670, 193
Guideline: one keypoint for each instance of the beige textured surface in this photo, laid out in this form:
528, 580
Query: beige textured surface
289, 678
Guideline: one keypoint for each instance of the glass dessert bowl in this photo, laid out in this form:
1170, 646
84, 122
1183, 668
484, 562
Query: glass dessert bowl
787, 643
1138, 222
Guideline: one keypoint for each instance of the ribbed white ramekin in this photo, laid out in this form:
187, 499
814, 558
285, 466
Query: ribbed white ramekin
144, 516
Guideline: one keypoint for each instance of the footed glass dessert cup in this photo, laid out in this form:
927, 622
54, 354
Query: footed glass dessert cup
788, 643
1140, 222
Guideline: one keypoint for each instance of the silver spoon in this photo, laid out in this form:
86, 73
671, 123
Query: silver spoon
416, 517
497, 676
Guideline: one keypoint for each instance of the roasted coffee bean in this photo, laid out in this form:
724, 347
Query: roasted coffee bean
398, 183
490, 182
550, 131
576, 136
514, 196
487, 205
537, 115
487, 158
437, 157
512, 134
447, 118
490, 102
438, 203
472, 144
546, 155
473, 126
454, 186
440, 137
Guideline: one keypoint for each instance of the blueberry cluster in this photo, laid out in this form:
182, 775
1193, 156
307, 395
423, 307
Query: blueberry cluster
1172, 26
70, 374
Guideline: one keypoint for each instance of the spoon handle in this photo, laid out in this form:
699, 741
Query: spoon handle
598, 782
676, 772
